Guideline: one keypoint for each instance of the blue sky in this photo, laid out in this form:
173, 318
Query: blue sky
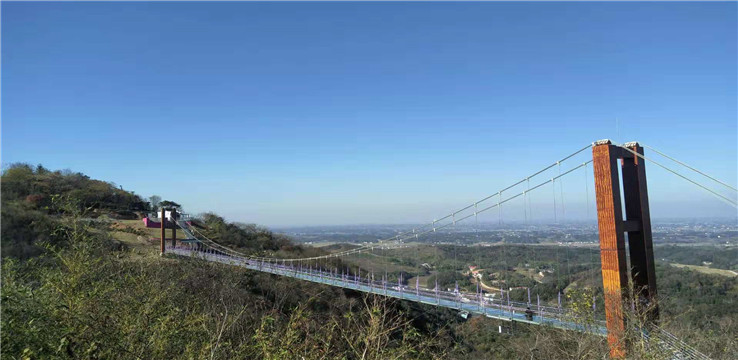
335, 113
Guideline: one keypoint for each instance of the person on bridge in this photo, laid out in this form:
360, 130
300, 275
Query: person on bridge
529, 314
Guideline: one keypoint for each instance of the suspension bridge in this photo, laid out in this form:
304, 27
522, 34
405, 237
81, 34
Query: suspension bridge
617, 214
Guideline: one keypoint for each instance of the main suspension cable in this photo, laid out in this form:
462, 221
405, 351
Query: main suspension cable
690, 167
415, 232
725, 199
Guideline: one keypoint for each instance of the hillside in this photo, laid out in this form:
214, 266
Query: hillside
81, 281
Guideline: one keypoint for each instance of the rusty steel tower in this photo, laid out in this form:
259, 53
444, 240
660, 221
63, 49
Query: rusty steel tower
613, 227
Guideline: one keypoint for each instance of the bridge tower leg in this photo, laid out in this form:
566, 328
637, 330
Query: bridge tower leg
612, 227
163, 230
173, 213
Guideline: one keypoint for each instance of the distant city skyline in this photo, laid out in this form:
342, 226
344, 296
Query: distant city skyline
289, 114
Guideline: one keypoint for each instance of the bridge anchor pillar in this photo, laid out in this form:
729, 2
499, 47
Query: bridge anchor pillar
163, 223
173, 214
613, 227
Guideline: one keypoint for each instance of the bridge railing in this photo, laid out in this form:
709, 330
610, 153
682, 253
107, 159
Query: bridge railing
503, 308
561, 317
